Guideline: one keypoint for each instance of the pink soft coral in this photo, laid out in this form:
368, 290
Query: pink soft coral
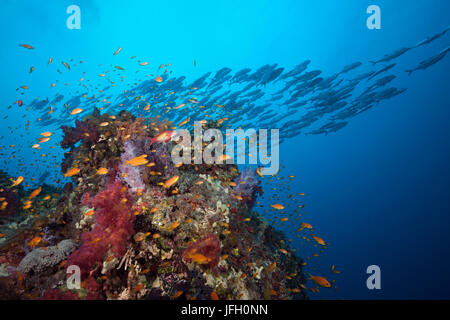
114, 227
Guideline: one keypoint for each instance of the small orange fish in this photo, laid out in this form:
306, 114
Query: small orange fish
35, 193
319, 240
102, 171
214, 296
72, 172
34, 242
89, 213
277, 206
174, 226
179, 106
177, 294
171, 182
27, 46
184, 122
46, 134
159, 79
76, 111
16, 182
198, 258
321, 281
43, 139
117, 51
303, 226
137, 161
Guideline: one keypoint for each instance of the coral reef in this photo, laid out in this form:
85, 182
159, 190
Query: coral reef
151, 230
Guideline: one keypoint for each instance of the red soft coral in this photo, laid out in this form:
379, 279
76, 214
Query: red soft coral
114, 227
83, 130
208, 247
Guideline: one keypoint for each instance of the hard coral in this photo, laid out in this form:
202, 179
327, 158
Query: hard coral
114, 227
38, 260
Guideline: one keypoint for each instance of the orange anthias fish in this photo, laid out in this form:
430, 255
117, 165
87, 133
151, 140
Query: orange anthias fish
214, 296
27, 46
76, 111
35, 193
46, 134
117, 51
277, 206
159, 79
184, 122
16, 182
163, 137
319, 240
72, 172
198, 258
321, 281
171, 182
137, 161
102, 171
174, 226
43, 139
66, 65
34, 242
303, 226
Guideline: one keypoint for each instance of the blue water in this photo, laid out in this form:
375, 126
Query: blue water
377, 190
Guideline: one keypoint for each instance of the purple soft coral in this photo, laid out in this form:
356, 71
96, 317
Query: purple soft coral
131, 174
246, 183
